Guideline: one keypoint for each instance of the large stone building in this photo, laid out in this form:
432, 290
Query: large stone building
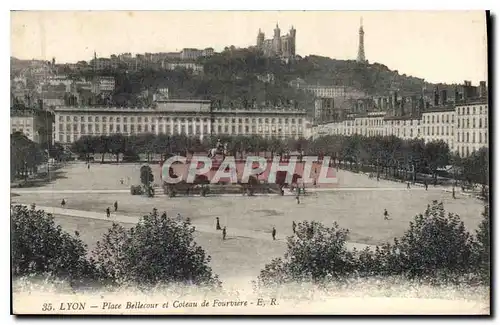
195, 67
471, 126
173, 116
34, 123
282, 46
462, 123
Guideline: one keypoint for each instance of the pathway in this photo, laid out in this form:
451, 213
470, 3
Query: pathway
287, 192
232, 232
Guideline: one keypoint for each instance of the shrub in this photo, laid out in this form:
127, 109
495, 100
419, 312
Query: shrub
436, 247
315, 253
130, 156
136, 190
39, 247
158, 250
482, 244
435, 243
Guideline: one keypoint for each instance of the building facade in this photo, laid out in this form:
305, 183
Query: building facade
471, 126
190, 117
439, 124
35, 124
193, 54
463, 126
282, 46
196, 68
322, 91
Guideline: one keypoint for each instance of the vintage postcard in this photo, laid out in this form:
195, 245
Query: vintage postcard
250, 162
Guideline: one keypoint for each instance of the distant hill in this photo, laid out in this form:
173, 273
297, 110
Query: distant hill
242, 76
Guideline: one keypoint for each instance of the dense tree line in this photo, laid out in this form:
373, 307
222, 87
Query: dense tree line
384, 156
157, 250
435, 248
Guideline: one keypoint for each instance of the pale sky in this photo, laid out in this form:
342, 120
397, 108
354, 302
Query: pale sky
440, 46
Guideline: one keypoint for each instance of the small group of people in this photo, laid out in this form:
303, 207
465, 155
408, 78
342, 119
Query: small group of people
224, 230
218, 227
108, 210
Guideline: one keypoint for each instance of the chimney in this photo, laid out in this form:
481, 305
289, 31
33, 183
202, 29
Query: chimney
457, 95
401, 106
436, 97
442, 97
482, 89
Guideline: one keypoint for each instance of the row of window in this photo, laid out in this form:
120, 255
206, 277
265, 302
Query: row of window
463, 110
21, 122
176, 119
464, 123
90, 128
467, 125
430, 119
430, 130
261, 131
443, 118
152, 127
465, 137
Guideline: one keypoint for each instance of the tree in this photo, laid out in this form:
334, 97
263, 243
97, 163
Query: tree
56, 151
117, 145
482, 246
101, 145
476, 169
147, 178
84, 146
39, 247
158, 250
315, 253
276, 146
437, 155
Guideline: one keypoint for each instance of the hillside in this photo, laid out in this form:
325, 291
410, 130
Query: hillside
241, 76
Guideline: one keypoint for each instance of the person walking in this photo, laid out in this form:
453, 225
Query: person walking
116, 205
63, 203
386, 215
453, 192
294, 226
274, 233
425, 185
408, 185
108, 212
298, 199
217, 225
224, 233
